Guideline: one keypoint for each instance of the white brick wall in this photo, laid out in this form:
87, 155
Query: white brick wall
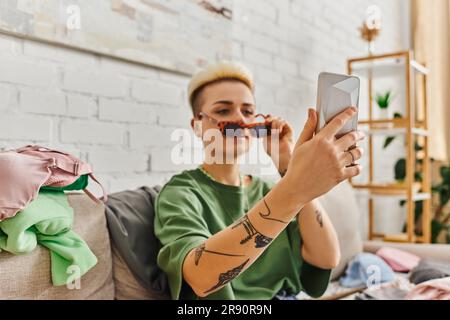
25, 128
110, 161
124, 111
157, 92
79, 106
23, 71
35, 101
92, 133
119, 116
106, 84
5, 97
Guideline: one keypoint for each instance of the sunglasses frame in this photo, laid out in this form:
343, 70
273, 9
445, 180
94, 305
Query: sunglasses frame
222, 125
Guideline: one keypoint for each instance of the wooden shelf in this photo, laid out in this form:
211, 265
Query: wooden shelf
389, 123
388, 188
416, 196
391, 127
403, 237
413, 128
388, 61
401, 123
396, 131
399, 238
393, 188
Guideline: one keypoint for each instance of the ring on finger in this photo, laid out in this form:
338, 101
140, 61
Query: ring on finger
353, 157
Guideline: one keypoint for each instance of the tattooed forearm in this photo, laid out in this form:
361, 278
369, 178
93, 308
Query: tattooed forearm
202, 248
319, 218
226, 277
260, 240
282, 172
266, 216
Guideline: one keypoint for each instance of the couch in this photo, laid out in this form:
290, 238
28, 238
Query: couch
28, 276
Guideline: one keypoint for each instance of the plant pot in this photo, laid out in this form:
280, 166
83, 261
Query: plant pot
384, 114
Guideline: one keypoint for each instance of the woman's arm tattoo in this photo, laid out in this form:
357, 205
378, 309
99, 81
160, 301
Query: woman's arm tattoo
319, 218
226, 277
260, 239
266, 216
202, 248
282, 172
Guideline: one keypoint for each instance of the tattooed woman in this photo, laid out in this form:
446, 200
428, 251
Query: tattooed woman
225, 235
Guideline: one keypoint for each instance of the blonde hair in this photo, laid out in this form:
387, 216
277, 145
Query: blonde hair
224, 70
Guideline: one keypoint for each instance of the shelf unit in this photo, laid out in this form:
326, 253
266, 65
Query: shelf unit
409, 126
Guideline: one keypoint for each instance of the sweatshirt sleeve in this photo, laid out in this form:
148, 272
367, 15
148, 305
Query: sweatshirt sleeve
180, 228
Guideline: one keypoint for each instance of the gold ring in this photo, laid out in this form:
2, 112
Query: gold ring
353, 157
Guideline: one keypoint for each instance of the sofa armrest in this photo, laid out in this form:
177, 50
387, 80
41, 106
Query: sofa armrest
431, 251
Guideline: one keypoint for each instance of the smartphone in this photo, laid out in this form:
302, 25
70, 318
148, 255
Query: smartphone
335, 93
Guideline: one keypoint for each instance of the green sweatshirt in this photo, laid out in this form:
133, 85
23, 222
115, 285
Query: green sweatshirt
192, 207
47, 221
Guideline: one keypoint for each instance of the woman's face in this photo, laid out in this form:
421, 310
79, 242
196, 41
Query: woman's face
227, 101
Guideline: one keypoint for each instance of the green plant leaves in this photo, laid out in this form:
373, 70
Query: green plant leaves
417, 146
445, 174
443, 190
389, 140
400, 170
383, 100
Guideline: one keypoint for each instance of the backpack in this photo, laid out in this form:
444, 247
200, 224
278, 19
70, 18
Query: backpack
67, 171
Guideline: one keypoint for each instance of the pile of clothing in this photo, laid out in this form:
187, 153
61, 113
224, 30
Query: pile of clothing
393, 274
34, 208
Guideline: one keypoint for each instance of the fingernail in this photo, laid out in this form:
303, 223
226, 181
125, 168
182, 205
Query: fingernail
354, 109
310, 113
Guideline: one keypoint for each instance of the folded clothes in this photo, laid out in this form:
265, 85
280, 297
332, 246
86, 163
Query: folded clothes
398, 260
48, 221
394, 290
437, 289
429, 269
383, 294
366, 269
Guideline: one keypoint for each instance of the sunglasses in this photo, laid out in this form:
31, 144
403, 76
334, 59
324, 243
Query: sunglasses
237, 128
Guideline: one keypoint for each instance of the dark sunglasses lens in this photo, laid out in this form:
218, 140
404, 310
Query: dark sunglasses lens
260, 131
233, 130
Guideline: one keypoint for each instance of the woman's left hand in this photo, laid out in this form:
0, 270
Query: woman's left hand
286, 143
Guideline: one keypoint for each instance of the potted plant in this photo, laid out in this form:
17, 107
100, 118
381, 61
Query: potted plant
440, 225
384, 100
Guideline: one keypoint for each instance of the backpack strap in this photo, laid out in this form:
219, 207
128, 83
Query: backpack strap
104, 198
90, 195
75, 168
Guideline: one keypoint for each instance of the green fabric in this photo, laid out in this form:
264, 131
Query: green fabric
191, 207
48, 221
80, 184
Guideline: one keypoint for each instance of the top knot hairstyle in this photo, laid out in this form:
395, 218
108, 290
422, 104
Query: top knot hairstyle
220, 71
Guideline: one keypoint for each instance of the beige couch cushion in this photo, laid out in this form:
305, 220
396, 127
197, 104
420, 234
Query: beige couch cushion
29, 277
127, 287
340, 204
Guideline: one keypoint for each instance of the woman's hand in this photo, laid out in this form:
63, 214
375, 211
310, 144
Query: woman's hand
320, 162
286, 144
